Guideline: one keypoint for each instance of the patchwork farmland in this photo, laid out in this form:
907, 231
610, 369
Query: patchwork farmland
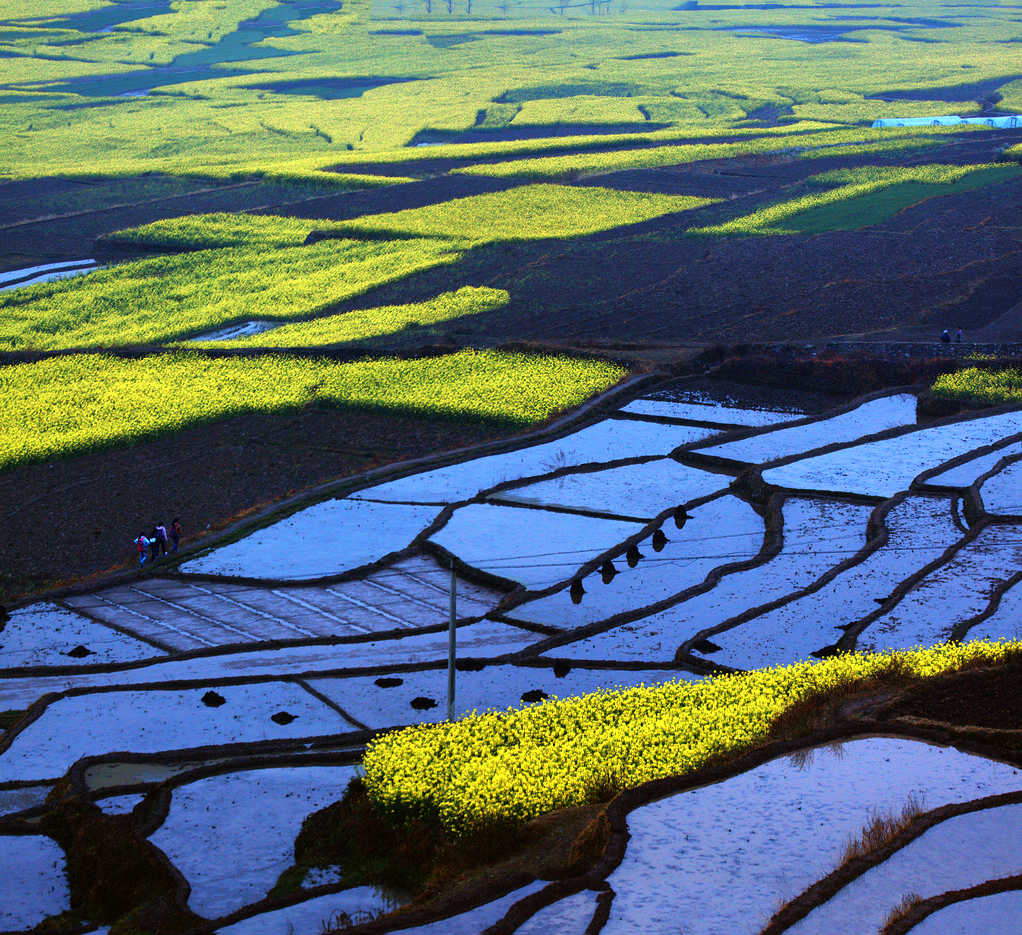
655, 363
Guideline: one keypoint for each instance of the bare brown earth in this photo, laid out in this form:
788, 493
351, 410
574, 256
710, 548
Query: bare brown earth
948, 261
78, 517
53, 219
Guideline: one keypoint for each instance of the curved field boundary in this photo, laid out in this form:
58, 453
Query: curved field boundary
851, 635
821, 891
670, 420
956, 514
877, 536
926, 907
159, 797
961, 630
570, 510
923, 480
857, 724
771, 513
977, 491
691, 454
585, 414
286, 752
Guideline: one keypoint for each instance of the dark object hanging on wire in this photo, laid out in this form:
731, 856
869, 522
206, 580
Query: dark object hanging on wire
633, 555
659, 540
607, 570
680, 517
577, 591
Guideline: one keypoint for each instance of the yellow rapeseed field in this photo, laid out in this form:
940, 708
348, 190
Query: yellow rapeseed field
990, 387
514, 765
365, 324
69, 404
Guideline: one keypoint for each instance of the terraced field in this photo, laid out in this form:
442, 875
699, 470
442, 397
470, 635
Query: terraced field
640, 547
382, 299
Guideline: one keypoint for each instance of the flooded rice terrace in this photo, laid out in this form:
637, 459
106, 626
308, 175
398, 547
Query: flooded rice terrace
698, 528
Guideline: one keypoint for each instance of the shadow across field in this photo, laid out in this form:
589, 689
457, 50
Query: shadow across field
653, 282
92, 506
430, 137
242, 45
985, 93
79, 210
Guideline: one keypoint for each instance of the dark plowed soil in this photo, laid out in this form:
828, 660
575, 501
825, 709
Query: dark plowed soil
77, 517
947, 261
980, 698
31, 232
343, 206
420, 167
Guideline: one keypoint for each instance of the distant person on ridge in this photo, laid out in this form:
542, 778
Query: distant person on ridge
958, 335
141, 546
945, 336
161, 539
175, 534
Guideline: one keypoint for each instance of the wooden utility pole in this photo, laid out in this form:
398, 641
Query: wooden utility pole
451, 630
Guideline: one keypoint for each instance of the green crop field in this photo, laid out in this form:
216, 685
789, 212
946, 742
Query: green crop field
166, 298
527, 213
70, 404
981, 387
413, 320
261, 85
861, 197
207, 231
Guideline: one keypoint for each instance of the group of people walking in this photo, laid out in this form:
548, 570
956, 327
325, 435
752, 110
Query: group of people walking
155, 545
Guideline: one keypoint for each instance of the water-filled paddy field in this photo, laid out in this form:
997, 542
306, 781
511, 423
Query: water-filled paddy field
580, 563
252, 249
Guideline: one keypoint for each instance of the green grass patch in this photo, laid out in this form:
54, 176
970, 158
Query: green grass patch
980, 387
170, 297
207, 231
416, 319
517, 150
498, 767
70, 404
527, 213
860, 197
581, 164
